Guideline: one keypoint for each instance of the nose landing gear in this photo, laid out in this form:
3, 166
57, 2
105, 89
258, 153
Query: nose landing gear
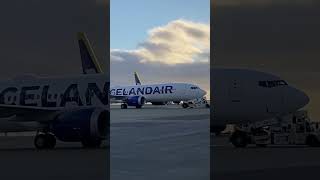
124, 106
45, 141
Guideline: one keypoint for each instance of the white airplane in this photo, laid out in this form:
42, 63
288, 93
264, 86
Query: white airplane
71, 109
243, 96
155, 93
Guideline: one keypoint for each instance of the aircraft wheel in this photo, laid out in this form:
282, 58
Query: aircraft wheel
51, 141
239, 139
45, 141
91, 143
40, 141
185, 105
312, 141
124, 106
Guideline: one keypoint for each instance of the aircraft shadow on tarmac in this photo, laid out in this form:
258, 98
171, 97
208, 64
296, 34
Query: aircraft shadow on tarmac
32, 149
283, 147
265, 148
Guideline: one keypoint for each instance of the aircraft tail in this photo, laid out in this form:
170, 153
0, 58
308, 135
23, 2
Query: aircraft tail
137, 79
90, 64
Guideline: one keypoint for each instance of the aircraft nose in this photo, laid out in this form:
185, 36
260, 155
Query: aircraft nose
203, 92
300, 98
303, 98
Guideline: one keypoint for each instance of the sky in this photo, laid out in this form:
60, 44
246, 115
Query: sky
39, 37
164, 41
276, 36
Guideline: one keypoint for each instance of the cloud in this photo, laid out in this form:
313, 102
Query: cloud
176, 52
178, 42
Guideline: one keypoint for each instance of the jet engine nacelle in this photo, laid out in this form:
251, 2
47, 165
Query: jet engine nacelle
82, 125
136, 101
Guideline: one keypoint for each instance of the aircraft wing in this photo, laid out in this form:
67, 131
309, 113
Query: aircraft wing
28, 113
115, 99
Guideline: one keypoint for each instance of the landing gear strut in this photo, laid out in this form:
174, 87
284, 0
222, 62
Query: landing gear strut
124, 106
45, 141
185, 105
239, 139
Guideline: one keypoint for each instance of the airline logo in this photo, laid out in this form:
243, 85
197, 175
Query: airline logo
135, 91
39, 95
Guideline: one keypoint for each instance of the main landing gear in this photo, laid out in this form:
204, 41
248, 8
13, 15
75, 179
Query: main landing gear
45, 141
239, 139
124, 106
185, 105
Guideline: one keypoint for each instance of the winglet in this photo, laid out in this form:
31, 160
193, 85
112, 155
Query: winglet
90, 64
137, 79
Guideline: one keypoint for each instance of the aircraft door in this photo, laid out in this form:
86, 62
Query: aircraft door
235, 92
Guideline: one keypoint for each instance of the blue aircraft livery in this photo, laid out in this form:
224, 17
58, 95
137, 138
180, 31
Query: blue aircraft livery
137, 91
55, 96
155, 93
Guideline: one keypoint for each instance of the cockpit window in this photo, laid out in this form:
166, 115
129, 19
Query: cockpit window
271, 84
194, 87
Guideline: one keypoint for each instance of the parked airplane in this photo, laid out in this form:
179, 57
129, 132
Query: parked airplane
243, 96
71, 109
155, 93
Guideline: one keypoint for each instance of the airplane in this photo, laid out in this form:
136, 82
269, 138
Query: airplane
157, 94
245, 96
71, 109
138, 82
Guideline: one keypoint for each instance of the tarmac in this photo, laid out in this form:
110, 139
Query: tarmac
155, 142
272, 162
20, 160
160, 142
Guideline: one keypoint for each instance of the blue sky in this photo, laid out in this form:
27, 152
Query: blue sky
131, 19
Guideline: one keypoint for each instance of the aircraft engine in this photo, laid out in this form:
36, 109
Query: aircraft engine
88, 126
136, 101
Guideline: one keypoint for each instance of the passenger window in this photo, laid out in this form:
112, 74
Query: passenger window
271, 84
284, 82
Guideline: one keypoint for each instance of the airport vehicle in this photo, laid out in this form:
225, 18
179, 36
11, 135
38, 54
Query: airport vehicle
157, 94
71, 109
292, 129
200, 102
244, 96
